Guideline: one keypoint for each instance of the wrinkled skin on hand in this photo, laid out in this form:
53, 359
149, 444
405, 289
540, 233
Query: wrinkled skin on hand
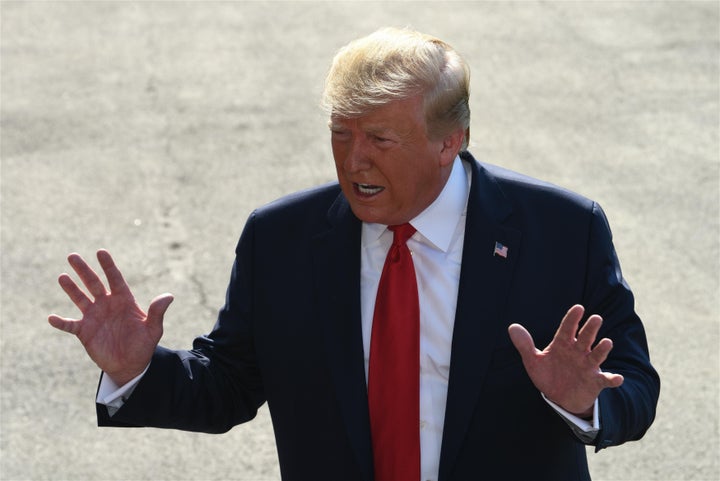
568, 370
117, 334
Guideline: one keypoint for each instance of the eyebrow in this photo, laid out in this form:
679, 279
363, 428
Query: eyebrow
379, 130
371, 129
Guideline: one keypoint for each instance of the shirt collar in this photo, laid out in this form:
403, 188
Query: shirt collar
438, 221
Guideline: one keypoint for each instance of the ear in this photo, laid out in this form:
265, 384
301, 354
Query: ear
451, 146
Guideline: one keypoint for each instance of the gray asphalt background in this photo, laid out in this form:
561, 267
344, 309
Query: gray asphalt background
153, 128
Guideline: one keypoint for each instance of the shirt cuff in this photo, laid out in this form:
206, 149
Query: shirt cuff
585, 430
113, 396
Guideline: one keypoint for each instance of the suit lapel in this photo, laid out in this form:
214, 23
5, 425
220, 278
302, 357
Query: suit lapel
336, 263
484, 283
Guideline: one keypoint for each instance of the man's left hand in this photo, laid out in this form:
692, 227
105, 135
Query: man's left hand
568, 370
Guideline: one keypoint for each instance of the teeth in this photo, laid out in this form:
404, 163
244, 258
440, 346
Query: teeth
369, 189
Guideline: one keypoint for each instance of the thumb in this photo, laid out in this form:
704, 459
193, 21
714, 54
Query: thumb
66, 325
522, 340
157, 309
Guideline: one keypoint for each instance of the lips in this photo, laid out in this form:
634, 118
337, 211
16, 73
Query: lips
367, 190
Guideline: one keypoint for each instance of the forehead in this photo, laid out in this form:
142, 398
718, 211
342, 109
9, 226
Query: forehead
395, 115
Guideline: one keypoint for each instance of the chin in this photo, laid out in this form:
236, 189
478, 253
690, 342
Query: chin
376, 217
367, 215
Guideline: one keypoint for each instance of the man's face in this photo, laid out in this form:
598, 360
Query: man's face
387, 167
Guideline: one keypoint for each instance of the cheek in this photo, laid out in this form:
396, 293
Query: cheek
335, 147
338, 155
404, 183
415, 184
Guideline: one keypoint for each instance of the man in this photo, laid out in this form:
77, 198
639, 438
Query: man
439, 383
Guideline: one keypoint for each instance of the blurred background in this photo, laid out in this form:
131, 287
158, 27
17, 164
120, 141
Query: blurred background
153, 129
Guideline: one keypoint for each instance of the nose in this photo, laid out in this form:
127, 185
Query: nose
357, 156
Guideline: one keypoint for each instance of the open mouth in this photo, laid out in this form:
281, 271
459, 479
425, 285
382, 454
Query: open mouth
368, 189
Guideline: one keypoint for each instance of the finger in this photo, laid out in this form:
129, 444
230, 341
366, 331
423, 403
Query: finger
87, 275
600, 353
523, 341
157, 309
569, 325
613, 380
75, 294
116, 281
588, 333
71, 326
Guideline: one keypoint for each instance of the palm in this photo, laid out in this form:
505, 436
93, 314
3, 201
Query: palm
568, 370
108, 323
117, 334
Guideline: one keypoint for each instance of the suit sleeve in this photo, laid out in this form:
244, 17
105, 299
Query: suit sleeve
628, 411
212, 387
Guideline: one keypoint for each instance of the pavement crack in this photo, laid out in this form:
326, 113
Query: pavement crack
201, 294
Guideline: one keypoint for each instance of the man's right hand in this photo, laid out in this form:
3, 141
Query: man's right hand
116, 333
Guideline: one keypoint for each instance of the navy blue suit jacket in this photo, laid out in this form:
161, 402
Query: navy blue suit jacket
289, 334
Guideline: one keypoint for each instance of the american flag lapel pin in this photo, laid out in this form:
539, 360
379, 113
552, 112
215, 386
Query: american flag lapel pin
500, 250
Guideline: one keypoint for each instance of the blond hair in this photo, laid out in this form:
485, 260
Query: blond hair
395, 64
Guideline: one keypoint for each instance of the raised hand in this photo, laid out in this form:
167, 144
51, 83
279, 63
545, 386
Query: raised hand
116, 333
568, 370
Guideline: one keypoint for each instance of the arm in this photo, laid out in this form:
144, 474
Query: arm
210, 388
574, 370
217, 384
627, 412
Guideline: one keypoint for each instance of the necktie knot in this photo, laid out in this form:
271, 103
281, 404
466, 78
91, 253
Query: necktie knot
401, 233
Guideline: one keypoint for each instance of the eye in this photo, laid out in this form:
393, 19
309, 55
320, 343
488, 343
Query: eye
382, 141
339, 134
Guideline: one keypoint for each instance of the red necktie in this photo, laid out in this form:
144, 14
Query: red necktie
394, 377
